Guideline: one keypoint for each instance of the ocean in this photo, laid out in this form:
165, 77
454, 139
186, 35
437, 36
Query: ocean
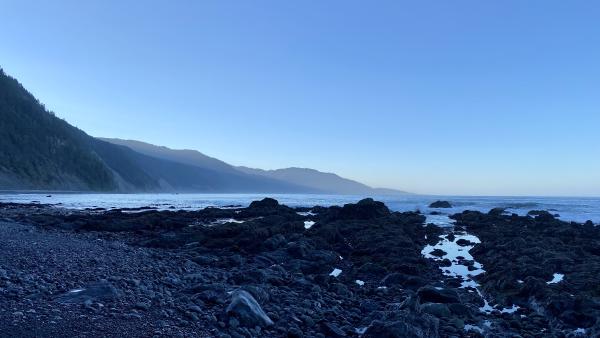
569, 208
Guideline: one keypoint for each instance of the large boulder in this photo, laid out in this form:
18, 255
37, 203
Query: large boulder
265, 203
364, 209
440, 204
267, 207
247, 310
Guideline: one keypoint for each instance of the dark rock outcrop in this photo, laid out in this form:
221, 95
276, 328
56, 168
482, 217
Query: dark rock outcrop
541, 264
440, 204
364, 209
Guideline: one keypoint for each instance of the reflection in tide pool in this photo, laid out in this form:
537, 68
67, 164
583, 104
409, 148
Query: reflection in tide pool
308, 224
306, 213
458, 256
556, 278
336, 272
440, 220
462, 264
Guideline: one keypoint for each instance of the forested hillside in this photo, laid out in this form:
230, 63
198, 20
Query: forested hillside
40, 151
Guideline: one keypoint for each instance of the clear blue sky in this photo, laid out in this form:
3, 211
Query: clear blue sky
446, 97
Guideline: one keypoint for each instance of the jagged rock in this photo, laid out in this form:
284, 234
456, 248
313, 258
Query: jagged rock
364, 209
266, 203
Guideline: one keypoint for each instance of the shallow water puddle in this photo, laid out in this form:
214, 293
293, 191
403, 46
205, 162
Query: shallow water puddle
336, 272
359, 282
556, 278
457, 254
462, 263
361, 330
220, 221
227, 220
308, 224
469, 327
512, 309
441, 220
479, 329
306, 213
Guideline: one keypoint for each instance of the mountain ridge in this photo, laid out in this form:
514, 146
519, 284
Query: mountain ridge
325, 182
39, 151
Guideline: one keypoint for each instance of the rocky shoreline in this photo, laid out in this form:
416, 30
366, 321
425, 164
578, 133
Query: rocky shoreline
273, 271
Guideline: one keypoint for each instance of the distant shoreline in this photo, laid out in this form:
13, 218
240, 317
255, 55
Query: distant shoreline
406, 194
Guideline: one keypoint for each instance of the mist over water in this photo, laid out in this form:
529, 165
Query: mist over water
569, 208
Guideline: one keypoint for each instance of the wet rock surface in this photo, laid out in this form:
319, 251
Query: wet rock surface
549, 269
358, 270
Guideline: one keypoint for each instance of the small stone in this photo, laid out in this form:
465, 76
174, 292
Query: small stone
142, 306
195, 308
233, 322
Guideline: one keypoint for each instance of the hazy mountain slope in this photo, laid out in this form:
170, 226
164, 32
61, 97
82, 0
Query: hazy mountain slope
41, 151
190, 157
310, 179
130, 176
386, 191
190, 170
325, 181
181, 177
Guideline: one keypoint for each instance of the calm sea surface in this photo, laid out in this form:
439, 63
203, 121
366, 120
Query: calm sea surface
569, 208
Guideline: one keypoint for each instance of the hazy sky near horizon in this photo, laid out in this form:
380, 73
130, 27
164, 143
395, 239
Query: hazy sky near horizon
443, 97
